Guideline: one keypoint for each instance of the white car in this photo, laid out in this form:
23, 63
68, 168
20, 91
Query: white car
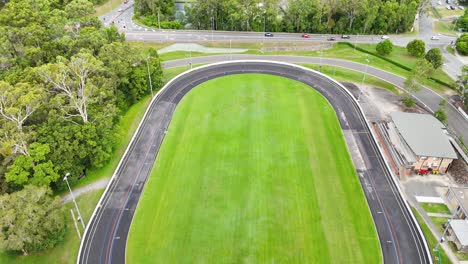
448, 7
385, 37
435, 37
439, 2
461, 7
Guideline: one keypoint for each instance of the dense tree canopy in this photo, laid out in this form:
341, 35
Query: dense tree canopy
30, 220
64, 82
334, 16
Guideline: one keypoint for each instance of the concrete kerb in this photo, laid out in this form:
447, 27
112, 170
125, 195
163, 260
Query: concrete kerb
240, 61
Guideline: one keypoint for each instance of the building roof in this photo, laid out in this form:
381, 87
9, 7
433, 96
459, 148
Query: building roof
461, 195
460, 229
424, 134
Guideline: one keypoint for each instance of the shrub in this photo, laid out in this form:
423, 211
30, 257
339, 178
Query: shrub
434, 56
384, 47
416, 48
462, 44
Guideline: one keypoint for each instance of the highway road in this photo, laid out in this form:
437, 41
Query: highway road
122, 17
106, 234
457, 124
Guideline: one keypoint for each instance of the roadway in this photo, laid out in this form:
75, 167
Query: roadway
122, 17
106, 234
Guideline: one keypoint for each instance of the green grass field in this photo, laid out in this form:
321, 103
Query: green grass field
254, 168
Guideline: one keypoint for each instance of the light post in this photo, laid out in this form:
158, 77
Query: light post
149, 76
74, 201
363, 78
321, 56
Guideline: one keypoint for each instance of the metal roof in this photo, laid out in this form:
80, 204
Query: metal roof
460, 228
424, 134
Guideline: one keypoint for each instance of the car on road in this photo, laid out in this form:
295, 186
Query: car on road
345, 37
331, 39
435, 37
439, 2
268, 34
452, 8
448, 7
385, 37
461, 7
305, 36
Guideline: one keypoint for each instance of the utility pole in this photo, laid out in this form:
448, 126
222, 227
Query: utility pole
149, 76
363, 78
159, 22
80, 218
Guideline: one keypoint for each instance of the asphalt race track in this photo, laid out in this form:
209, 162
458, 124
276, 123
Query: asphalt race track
107, 231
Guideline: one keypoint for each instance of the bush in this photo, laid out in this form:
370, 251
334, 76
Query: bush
385, 47
462, 44
416, 48
434, 56
152, 21
408, 101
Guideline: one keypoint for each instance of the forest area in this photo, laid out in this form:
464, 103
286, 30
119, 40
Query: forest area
301, 16
65, 80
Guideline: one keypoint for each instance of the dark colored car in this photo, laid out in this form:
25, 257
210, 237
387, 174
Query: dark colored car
331, 39
268, 34
345, 37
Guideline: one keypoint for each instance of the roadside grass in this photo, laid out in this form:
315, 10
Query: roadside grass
439, 222
248, 183
460, 255
346, 75
444, 28
67, 250
450, 50
444, 12
176, 55
435, 208
125, 129
107, 6
147, 45
431, 239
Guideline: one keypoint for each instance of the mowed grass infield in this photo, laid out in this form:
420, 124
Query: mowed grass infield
253, 169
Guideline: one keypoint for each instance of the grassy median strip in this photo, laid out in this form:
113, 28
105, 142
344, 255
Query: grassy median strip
435, 208
254, 168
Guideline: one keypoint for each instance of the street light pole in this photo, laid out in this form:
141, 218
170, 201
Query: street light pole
363, 78
149, 76
74, 201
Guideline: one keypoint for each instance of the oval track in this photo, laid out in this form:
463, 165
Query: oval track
106, 234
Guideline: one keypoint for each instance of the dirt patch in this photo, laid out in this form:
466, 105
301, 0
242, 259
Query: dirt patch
458, 171
379, 103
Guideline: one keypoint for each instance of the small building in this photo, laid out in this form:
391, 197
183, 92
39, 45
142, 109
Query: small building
429, 148
457, 198
457, 232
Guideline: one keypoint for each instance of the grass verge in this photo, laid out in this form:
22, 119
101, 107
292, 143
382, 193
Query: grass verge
67, 250
444, 28
450, 50
345, 75
259, 177
107, 6
435, 208
431, 240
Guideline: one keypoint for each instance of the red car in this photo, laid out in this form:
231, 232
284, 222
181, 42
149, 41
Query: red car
305, 36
